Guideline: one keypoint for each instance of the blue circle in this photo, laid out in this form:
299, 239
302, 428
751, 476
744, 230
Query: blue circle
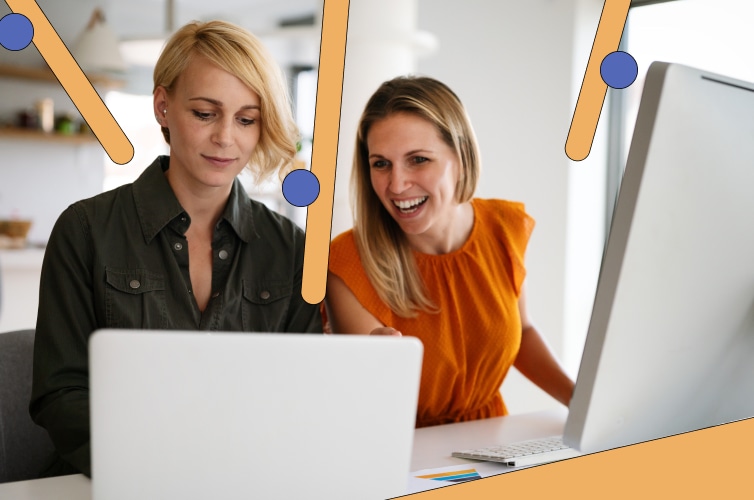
619, 70
16, 31
300, 188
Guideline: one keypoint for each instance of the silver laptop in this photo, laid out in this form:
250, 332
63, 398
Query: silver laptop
230, 415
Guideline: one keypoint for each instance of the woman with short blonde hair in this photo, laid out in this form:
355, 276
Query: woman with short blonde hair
183, 247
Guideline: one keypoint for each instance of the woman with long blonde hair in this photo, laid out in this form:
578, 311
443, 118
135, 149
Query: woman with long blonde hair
427, 259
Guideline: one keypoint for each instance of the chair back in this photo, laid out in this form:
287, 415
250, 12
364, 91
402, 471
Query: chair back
24, 446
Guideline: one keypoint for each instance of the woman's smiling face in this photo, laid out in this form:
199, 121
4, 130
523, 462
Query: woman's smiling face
414, 174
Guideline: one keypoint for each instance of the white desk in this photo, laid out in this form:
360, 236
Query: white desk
75, 487
432, 449
433, 445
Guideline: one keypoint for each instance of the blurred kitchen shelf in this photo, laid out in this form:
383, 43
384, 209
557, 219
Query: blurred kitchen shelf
45, 74
38, 135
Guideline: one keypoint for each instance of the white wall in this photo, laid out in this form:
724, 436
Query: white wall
518, 66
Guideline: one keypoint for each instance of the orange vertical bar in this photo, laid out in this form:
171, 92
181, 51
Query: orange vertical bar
325, 148
593, 89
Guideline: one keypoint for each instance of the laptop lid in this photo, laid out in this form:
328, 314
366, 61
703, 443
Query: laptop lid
193, 415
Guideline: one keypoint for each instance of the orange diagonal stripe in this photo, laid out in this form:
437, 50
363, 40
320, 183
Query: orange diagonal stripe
78, 87
325, 148
593, 89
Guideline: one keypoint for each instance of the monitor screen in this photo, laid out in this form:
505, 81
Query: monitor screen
670, 345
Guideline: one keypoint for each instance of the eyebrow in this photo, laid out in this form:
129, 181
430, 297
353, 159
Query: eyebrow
412, 152
219, 103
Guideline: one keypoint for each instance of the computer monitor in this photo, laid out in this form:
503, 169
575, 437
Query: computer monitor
670, 345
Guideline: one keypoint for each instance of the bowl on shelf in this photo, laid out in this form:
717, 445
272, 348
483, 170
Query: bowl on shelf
13, 232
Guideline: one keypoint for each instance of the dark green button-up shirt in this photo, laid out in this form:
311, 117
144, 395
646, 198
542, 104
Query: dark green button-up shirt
120, 260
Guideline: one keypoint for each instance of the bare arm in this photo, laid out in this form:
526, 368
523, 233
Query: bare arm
536, 361
347, 315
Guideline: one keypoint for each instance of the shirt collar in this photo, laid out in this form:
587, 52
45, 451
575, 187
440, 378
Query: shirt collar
238, 212
157, 205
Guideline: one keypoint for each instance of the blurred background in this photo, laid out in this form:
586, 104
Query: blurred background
516, 64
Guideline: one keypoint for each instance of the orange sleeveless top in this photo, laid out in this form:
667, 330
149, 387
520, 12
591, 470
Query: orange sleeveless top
474, 339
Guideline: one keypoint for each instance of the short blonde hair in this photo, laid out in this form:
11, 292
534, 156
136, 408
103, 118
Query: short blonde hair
241, 54
383, 248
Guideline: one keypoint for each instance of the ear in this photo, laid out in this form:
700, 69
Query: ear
160, 104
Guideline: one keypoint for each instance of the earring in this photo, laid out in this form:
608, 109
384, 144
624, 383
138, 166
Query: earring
164, 111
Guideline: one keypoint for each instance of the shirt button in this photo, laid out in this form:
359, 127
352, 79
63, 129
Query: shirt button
215, 295
134, 284
178, 247
183, 219
223, 254
265, 295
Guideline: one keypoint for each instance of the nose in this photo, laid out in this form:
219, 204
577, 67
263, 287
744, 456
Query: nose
399, 179
222, 135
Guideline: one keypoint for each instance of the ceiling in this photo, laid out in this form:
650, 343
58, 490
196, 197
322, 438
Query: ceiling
135, 19
140, 17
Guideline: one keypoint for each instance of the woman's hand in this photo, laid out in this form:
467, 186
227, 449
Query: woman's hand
386, 330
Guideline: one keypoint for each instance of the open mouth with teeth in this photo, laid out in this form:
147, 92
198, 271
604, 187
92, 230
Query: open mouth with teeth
410, 206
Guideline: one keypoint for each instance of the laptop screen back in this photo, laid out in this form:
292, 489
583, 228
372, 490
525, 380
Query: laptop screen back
228, 415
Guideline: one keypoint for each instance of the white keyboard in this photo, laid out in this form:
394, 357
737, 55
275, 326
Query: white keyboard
523, 453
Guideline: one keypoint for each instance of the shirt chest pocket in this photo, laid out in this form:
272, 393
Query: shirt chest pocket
265, 305
135, 298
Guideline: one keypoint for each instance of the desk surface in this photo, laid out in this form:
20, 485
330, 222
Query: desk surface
432, 449
433, 445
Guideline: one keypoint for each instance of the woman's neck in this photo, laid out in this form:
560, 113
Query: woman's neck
447, 238
203, 204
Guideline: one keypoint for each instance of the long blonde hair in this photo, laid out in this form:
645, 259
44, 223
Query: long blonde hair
384, 250
241, 54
